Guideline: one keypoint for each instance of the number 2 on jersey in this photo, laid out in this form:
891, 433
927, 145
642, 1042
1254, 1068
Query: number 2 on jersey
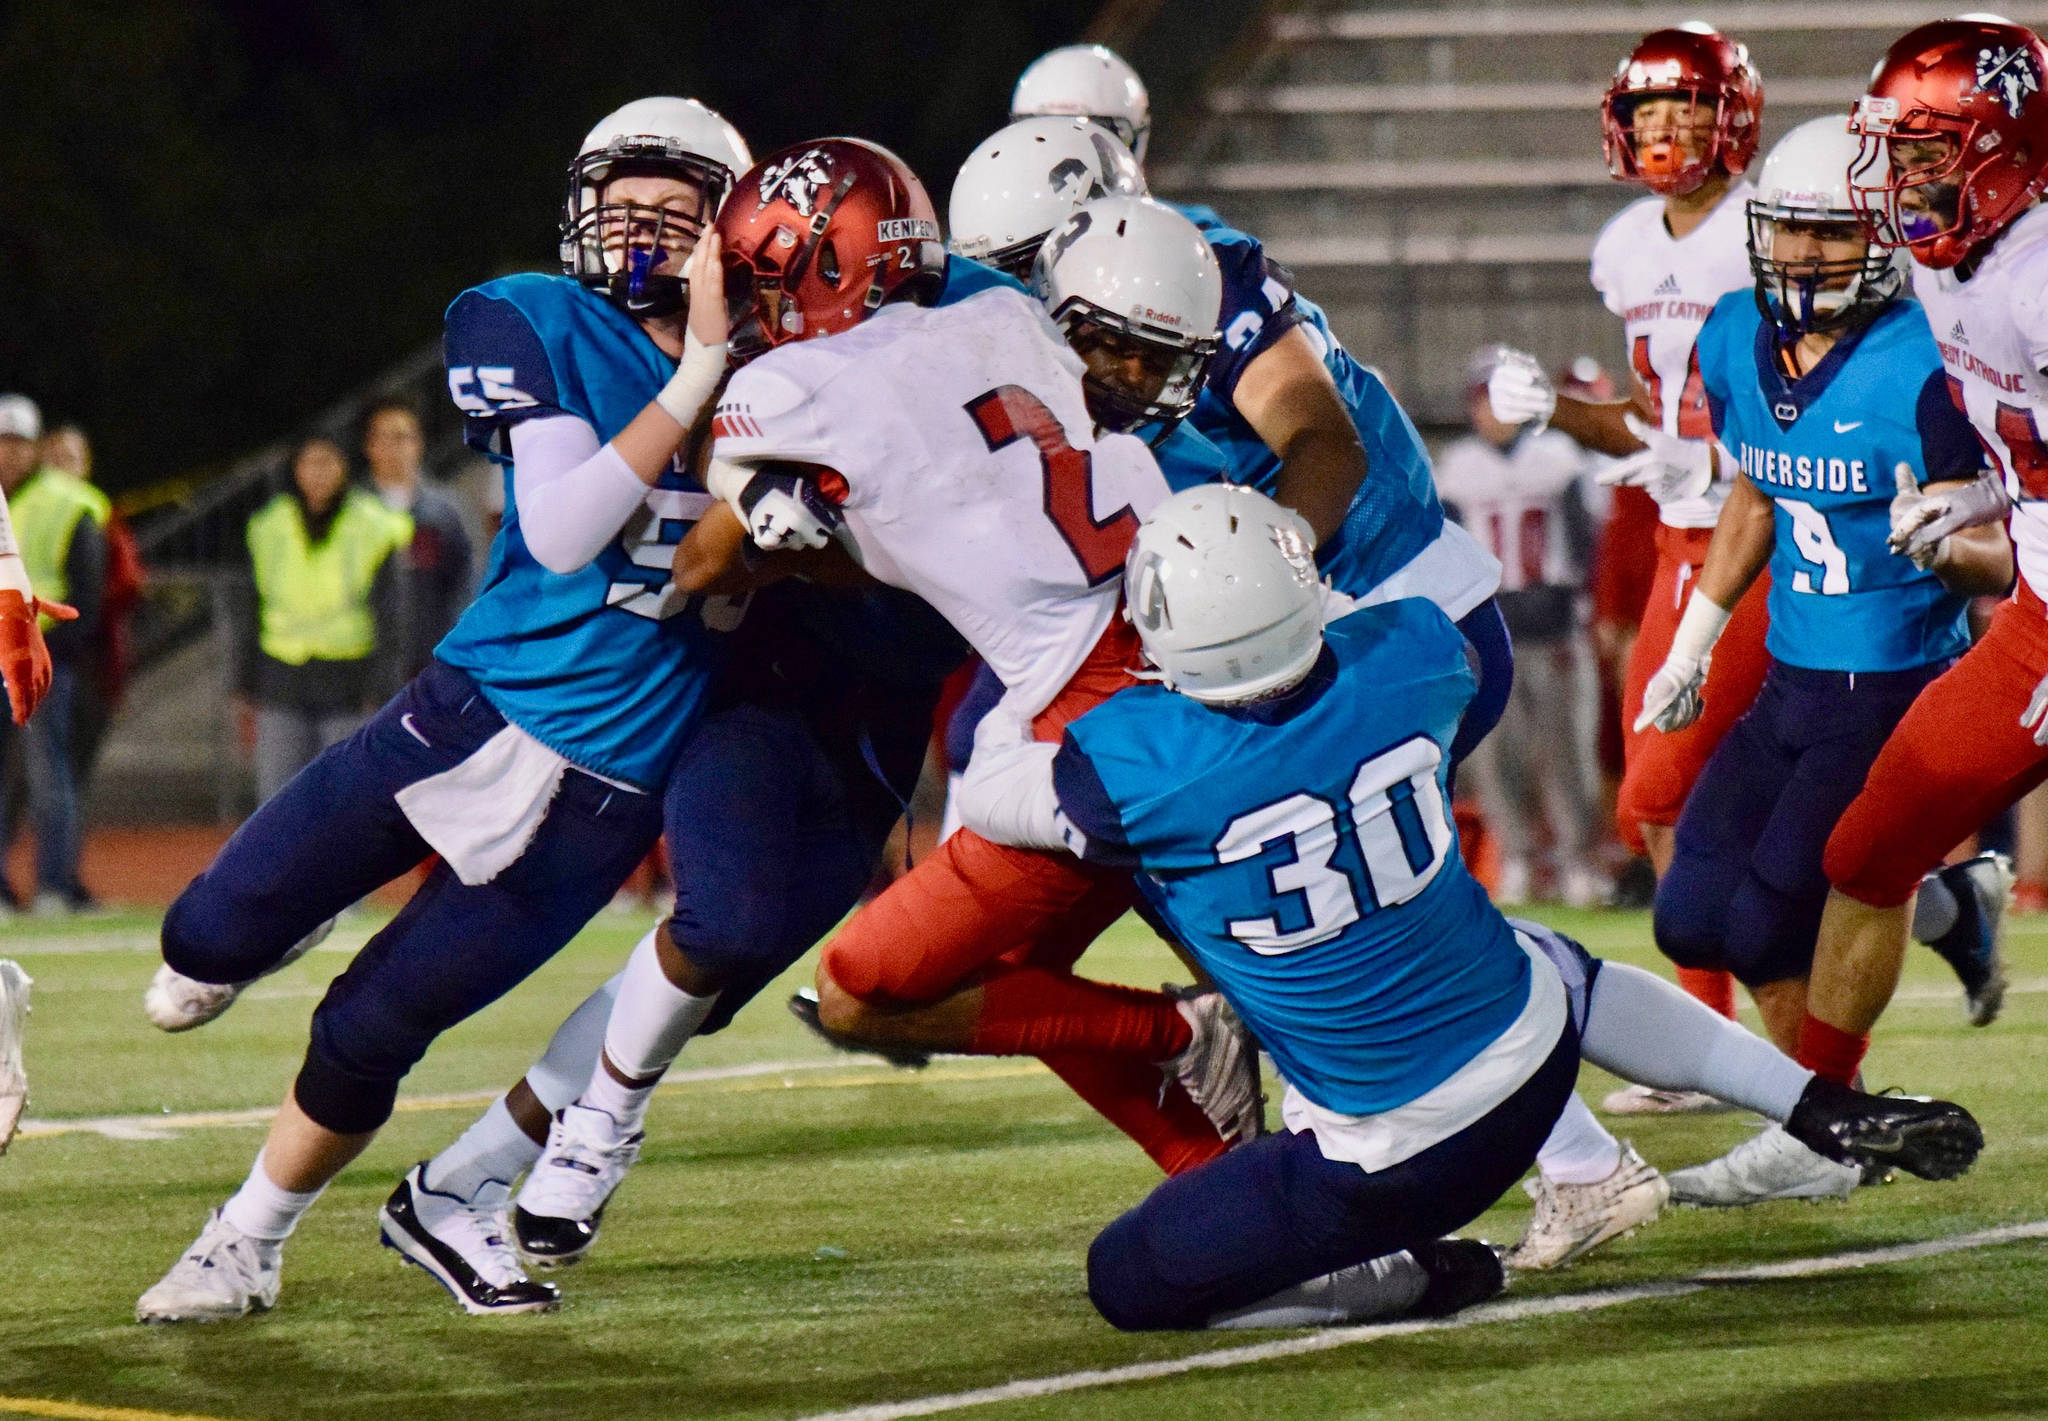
1395, 814
1011, 412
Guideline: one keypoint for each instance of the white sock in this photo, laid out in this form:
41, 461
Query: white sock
565, 1067
1387, 1286
262, 1210
651, 1022
493, 1148
1579, 1150
1644, 1029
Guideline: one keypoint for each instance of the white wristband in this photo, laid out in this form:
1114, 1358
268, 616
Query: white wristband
696, 379
1698, 629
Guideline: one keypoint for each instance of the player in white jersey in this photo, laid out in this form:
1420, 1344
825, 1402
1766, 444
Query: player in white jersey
1520, 493
1681, 118
1954, 156
951, 449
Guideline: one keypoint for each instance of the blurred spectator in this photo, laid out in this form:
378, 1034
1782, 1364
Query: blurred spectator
1517, 491
60, 522
435, 570
104, 681
325, 578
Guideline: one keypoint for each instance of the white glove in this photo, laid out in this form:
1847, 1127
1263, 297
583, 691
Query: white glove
2035, 716
786, 511
1519, 391
1920, 521
1670, 469
1672, 700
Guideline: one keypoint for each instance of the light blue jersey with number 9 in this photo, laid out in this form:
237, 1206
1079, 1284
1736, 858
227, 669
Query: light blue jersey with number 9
1303, 850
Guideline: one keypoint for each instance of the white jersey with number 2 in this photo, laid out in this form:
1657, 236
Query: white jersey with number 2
1662, 287
1993, 335
974, 475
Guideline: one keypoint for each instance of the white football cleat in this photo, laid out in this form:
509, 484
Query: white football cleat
1574, 1219
224, 1274
175, 1002
14, 990
1648, 1100
1768, 1165
1219, 1067
561, 1205
462, 1245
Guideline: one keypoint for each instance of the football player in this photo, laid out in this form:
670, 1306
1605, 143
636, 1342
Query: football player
528, 756
1954, 156
1428, 1043
1806, 380
24, 659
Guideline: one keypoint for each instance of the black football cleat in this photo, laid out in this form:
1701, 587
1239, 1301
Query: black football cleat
1462, 1272
462, 1246
803, 1005
1934, 1139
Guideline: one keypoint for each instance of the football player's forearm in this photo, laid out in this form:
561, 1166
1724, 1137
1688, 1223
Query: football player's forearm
1600, 427
1976, 562
711, 557
1287, 396
1741, 549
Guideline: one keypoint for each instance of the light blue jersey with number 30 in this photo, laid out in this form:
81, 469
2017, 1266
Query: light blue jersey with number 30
1303, 849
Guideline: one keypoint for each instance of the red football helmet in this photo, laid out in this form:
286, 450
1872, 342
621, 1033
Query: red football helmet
818, 236
1972, 89
1690, 62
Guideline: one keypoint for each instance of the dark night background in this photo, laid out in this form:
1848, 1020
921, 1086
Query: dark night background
216, 218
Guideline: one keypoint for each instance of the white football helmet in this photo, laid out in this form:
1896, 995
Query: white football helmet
1805, 183
1023, 179
1221, 585
1135, 289
1092, 82
20, 417
614, 247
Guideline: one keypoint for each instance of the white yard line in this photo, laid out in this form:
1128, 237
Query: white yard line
1332, 1338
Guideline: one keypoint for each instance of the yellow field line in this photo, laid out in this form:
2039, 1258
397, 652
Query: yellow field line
74, 1411
760, 1076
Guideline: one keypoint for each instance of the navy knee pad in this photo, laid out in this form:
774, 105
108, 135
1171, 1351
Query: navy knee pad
206, 938
1690, 916
338, 1100
1771, 933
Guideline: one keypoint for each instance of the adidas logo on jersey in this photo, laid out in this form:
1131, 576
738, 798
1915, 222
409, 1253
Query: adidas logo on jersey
1958, 335
1668, 286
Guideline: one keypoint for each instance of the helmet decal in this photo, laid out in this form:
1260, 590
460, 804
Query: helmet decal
1072, 180
2008, 74
1071, 231
797, 179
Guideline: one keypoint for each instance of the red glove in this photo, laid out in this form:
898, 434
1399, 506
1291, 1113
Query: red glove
24, 660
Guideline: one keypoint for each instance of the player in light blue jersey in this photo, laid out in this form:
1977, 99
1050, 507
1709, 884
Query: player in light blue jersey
529, 755
1827, 390
1282, 796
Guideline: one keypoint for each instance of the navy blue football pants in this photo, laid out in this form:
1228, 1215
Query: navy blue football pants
335, 833
1746, 885
776, 818
1275, 1213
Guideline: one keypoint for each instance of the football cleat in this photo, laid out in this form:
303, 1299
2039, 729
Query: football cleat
561, 1205
462, 1246
14, 990
1219, 1068
1933, 1139
1572, 1220
803, 1005
1461, 1271
1648, 1100
1770, 1164
175, 1002
1973, 946
224, 1274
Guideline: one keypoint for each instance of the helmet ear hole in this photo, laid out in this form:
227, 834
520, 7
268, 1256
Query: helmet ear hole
828, 262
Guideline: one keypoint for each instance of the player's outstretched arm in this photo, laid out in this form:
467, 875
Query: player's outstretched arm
1287, 396
24, 659
1954, 529
1744, 535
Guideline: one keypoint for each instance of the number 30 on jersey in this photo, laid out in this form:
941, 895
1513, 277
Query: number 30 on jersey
1388, 839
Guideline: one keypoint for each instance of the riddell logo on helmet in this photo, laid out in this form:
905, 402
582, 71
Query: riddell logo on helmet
1165, 318
906, 229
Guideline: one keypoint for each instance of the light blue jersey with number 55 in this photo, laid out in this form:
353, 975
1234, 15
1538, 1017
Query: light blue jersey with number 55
1303, 849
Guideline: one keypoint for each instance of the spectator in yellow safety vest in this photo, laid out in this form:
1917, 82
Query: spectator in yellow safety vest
60, 526
324, 576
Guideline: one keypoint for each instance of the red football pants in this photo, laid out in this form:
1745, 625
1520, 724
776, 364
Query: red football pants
1958, 758
1660, 768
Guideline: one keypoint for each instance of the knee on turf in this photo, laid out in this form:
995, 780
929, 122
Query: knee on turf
1127, 1288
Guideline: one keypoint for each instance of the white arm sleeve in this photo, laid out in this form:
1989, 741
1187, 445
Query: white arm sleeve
13, 571
1007, 793
573, 496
